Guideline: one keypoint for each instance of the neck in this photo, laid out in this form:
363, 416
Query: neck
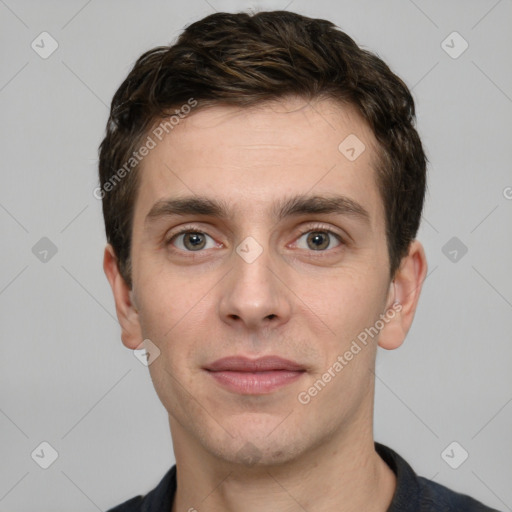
344, 474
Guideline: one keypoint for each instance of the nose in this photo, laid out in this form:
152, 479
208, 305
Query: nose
254, 294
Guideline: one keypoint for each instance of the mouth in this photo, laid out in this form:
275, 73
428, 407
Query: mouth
254, 376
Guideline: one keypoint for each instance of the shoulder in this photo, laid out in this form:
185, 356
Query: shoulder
415, 493
160, 499
437, 497
132, 505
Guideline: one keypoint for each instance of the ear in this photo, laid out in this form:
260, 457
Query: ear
127, 313
404, 293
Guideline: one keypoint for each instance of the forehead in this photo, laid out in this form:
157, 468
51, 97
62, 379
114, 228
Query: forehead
250, 158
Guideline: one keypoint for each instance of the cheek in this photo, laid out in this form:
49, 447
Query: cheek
177, 314
346, 302
167, 297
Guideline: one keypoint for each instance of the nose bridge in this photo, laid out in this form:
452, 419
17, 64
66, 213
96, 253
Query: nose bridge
252, 294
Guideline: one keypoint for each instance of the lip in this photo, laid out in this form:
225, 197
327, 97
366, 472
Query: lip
261, 364
254, 376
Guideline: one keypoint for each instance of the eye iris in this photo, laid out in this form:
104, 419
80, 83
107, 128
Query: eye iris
194, 241
319, 239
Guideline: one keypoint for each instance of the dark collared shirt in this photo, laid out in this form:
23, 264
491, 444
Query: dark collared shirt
413, 493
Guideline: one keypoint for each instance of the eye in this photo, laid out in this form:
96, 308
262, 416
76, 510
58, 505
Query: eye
319, 240
191, 240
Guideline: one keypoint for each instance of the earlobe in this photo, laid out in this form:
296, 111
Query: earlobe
393, 334
405, 292
127, 313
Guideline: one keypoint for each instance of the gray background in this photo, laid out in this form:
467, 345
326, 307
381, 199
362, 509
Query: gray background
65, 376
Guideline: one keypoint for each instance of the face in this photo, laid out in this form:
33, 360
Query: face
275, 255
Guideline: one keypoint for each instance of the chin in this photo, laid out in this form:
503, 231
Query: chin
254, 454
253, 447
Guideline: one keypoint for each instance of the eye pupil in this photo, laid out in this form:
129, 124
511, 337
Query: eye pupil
194, 241
318, 239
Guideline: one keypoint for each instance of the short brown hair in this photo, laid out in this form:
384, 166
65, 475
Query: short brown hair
245, 59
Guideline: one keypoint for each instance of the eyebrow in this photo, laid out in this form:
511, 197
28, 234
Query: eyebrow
294, 206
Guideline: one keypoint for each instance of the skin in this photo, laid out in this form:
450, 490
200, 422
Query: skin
269, 451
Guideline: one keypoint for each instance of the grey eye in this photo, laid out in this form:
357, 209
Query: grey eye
193, 241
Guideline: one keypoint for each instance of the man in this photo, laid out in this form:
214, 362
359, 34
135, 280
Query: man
262, 186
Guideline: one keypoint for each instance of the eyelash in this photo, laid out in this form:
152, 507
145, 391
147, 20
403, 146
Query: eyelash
310, 229
323, 229
183, 231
